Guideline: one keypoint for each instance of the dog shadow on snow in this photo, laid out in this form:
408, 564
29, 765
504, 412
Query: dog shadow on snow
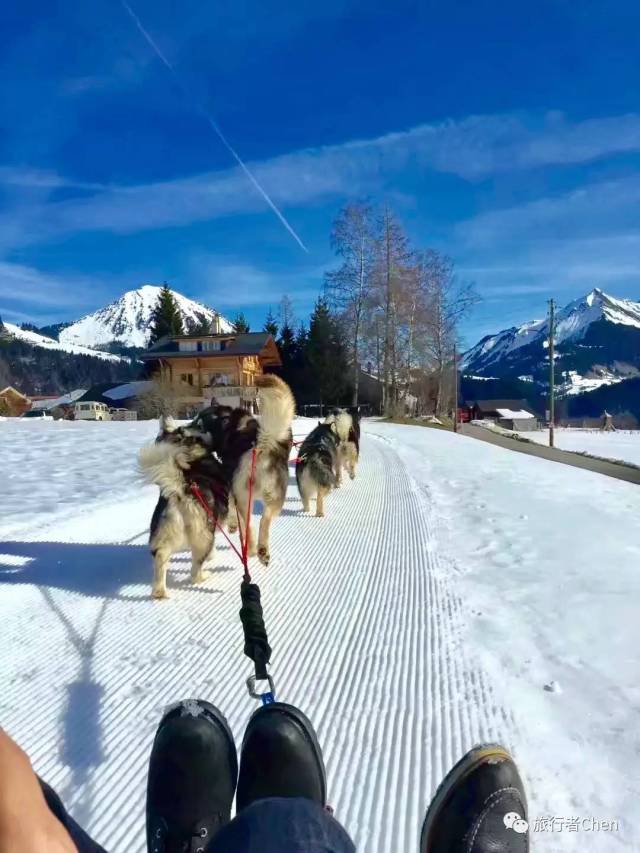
101, 573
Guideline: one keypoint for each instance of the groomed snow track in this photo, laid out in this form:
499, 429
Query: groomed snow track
365, 626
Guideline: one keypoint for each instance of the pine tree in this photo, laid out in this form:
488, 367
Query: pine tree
202, 327
166, 319
240, 325
271, 324
287, 345
325, 355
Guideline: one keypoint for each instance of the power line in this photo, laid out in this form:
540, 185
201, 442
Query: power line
213, 125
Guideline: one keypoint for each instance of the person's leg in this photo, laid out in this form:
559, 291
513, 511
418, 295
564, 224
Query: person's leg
32, 817
192, 779
480, 807
282, 791
83, 842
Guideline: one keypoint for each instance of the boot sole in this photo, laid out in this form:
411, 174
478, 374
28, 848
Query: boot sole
476, 756
305, 724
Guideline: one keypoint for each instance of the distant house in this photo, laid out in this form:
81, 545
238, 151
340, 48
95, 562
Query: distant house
200, 368
510, 414
13, 402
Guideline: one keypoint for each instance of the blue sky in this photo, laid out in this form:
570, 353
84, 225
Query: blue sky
505, 134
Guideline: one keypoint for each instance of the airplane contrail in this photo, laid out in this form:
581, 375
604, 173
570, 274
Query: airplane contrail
214, 126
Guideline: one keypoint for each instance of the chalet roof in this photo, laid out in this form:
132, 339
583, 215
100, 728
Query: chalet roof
251, 343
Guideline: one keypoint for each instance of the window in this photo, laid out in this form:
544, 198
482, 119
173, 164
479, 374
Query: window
188, 346
210, 346
187, 377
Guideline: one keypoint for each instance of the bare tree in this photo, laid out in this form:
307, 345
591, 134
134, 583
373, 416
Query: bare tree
287, 315
349, 288
448, 302
392, 269
161, 398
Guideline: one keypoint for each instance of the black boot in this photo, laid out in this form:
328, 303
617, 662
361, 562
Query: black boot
480, 807
192, 778
280, 757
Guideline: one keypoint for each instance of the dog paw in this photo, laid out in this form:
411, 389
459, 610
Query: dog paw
232, 527
264, 556
159, 592
319, 514
352, 475
199, 577
306, 508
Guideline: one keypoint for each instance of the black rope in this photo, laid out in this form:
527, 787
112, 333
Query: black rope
256, 643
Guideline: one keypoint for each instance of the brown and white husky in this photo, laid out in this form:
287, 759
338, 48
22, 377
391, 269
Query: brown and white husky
215, 452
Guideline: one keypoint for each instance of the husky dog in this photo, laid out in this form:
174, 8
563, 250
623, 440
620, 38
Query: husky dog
317, 466
215, 451
347, 423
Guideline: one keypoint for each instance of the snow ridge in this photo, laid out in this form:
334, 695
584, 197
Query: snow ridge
44, 342
572, 324
126, 320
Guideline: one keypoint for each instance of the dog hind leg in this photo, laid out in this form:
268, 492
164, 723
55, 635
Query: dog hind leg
269, 512
307, 488
232, 523
202, 548
322, 491
161, 557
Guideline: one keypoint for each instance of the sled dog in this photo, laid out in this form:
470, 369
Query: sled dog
215, 451
347, 423
317, 466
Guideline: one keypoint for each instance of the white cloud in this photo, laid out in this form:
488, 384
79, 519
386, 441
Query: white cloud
597, 208
472, 148
29, 293
228, 283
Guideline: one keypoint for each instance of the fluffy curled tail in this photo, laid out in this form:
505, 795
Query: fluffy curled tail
277, 409
163, 463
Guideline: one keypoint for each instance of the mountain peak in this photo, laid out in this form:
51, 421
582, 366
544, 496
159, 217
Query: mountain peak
126, 320
590, 323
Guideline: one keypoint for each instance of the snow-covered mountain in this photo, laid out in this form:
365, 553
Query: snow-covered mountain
126, 320
597, 343
43, 342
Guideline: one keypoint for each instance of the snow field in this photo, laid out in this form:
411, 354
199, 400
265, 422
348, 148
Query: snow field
448, 584
622, 445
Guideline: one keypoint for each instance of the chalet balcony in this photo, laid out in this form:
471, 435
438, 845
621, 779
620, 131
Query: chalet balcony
219, 392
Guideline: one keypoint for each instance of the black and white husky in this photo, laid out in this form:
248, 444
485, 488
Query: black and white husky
317, 466
347, 423
215, 451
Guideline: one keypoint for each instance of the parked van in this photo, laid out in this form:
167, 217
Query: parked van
90, 411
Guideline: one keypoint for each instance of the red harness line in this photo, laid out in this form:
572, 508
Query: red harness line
243, 554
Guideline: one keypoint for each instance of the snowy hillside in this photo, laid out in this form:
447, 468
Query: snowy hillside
126, 320
592, 332
43, 342
455, 592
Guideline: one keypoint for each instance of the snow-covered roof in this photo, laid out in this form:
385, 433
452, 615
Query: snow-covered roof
129, 389
511, 413
64, 399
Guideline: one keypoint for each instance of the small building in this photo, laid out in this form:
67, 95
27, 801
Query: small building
517, 415
200, 368
13, 402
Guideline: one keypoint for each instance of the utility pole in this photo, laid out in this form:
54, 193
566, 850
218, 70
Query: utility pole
552, 370
455, 385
